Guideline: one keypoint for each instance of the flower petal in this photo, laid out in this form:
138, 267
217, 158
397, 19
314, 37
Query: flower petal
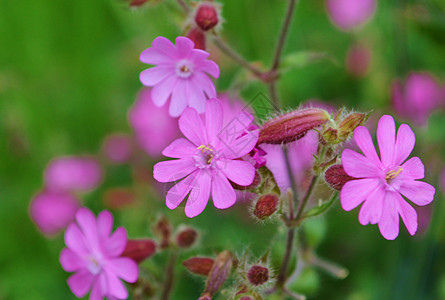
389, 222
96, 292
210, 67
115, 287
223, 194
71, 261
191, 126
196, 98
355, 192
75, 240
80, 283
124, 268
386, 134
205, 83
404, 144
161, 52
358, 166
180, 190
241, 146
104, 223
153, 76
162, 91
199, 56
419, 192
413, 168
408, 214
184, 46
238, 171
213, 119
364, 141
179, 99
199, 194
179, 148
116, 243
371, 210
87, 222
171, 170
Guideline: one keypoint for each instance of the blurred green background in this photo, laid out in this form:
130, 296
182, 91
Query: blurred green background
69, 74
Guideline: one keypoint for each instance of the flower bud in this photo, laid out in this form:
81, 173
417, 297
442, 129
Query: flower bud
258, 275
329, 136
198, 37
292, 126
139, 250
266, 206
219, 273
349, 124
186, 237
199, 265
336, 176
163, 230
207, 15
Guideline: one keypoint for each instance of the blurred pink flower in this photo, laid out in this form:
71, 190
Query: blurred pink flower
93, 253
118, 148
208, 159
358, 59
71, 173
348, 14
52, 212
417, 98
381, 181
179, 72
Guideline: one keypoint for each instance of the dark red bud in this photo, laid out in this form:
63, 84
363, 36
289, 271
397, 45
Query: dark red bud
199, 265
163, 230
336, 176
186, 237
266, 206
198, 37
258, 275
219, 273
206, 16
139, 250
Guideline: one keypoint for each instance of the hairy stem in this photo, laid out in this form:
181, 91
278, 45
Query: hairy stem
184, 6
308, 195
281, 278
169, 277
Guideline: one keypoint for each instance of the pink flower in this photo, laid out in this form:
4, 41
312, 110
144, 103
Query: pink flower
72, 173
348, 14
417, 98
208, 159
52, 212
154, 129
118, 148
94, 255
381, 182
179, 73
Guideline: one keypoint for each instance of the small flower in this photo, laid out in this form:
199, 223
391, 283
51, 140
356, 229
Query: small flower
179, 73
93, 253
208, 159
117, 148
348, 14
380, 182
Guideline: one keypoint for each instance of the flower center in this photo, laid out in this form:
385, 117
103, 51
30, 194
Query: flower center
184, 68
94, 265
393, 174
204, 156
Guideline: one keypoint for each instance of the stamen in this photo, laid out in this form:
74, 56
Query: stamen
209, 155
393, 174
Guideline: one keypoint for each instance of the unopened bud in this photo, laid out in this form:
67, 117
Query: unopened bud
336, 176
219, 273
186, 237
350, 123
266, 206
329, 136
139, 250
292, 126
198, 37
163, 230
199, 265
207, 15
258, 275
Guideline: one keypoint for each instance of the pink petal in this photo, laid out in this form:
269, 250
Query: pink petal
371, 210
404, 144
408, 214
205, 83
213, 119
199, 195
179, 99
87, 222
71, 261
162, 91
238, 171
199, 56
160, 53
179, 148
80, 283
104, 224
116, 243
363, 139
196, 98
210, 67
171, 170
358, 166
386, 134
355, 192
124, 268
96, 291
223, 194
115, 287
389, 222
75, 240
241, 146
419, 192
184, 46
180, 190
413, 168
163, 44
153, 76
191, 126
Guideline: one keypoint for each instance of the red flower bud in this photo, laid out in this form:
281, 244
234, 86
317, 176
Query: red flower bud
163, 230
292, 126
266, 206
199, 265
198, 37
336, 176
350, 123
258, 275
207, 15
219, 273
186, 237
139, 250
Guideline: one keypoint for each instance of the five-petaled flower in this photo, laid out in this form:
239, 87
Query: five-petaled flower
179, 72
381, 182
208, 159
94, 255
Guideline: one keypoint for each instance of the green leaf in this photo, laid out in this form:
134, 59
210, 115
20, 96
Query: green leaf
318, 210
